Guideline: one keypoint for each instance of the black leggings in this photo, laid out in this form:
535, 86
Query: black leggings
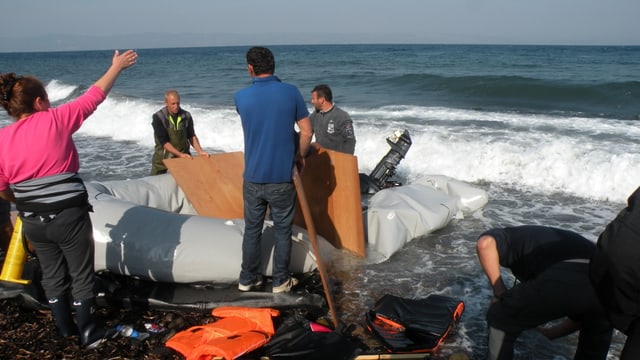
5, 211
64, 247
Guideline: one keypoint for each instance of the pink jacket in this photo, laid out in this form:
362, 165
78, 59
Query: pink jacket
41, 144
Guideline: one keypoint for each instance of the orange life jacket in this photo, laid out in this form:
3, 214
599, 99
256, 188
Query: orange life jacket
239, 331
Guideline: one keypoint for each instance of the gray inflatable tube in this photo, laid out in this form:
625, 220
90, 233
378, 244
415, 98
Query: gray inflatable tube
146, 228
397, 215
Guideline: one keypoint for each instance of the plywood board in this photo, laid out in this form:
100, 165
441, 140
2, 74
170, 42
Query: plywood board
212, 184
332, 186
308, 219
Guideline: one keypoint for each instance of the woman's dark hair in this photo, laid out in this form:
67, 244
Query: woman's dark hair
262, 60
18, 94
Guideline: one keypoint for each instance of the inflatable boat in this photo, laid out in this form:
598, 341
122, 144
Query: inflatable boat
155, 234
153, 250
397, 215
146, 228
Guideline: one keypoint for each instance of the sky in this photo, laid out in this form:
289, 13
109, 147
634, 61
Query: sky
44, 25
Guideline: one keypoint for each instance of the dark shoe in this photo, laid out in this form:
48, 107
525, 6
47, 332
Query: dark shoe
286, 286
92, 334
61, 310
255, 285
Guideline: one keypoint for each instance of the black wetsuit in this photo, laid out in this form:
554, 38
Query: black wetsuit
552, 267
615, 273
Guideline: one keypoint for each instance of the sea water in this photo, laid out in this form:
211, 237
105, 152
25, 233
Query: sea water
550, 132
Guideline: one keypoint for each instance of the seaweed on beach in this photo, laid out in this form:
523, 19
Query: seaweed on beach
31, 334
26, 333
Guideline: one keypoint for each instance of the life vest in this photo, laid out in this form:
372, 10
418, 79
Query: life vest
50, 194
239, 330
413, 326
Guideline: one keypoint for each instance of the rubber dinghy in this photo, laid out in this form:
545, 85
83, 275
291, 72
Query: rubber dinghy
394, 215
397, 215
146, 228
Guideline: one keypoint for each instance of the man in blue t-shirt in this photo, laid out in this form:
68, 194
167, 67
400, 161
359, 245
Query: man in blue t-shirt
269, 109
552, 269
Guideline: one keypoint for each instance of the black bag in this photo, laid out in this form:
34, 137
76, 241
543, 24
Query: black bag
615, 266
413, 326
294, 339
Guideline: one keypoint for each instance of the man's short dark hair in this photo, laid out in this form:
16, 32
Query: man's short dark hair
323, 91
262, 60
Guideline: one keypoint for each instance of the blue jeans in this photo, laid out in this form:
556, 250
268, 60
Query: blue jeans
281, 199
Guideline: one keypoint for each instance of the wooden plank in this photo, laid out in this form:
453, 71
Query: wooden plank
392, 356
332, 187
384, 357
306, 212
212, 184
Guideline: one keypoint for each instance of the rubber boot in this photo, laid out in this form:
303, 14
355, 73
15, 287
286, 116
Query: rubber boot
61, 310
92, 334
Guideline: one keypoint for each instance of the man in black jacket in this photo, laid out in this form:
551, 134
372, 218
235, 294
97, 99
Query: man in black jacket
615, 273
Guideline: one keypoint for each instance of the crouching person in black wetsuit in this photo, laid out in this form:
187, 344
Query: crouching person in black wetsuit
552, 267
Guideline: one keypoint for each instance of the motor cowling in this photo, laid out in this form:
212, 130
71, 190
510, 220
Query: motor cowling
378, 179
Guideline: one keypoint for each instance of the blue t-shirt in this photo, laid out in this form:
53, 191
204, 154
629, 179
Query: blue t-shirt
269, 110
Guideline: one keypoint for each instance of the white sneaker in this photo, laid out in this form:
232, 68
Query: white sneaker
255, 285
286, 286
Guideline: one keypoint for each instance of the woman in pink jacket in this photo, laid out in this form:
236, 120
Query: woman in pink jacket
39, 172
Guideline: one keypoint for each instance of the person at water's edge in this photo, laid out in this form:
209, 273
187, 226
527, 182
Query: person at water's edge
552, 269
41, 177
332, 126
615, 274
173, 133
269, 109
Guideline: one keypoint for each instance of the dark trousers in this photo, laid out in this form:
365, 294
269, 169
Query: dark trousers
64, 246
6, 228
564, 289
280, 198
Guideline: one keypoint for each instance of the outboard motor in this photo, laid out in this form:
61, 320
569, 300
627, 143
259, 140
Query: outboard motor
400, 142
